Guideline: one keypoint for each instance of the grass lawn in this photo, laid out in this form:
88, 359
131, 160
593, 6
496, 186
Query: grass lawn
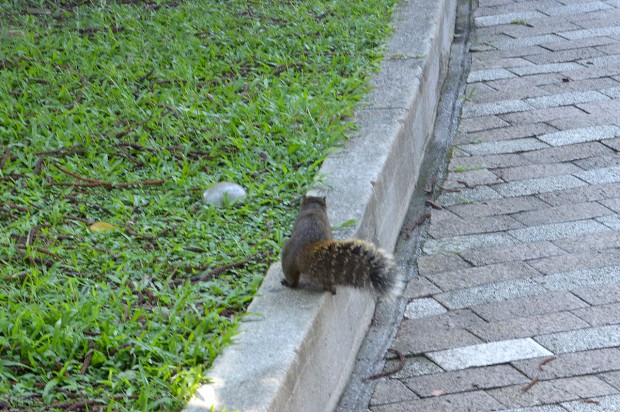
118, 286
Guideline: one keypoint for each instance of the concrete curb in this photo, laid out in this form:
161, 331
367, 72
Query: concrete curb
296, 349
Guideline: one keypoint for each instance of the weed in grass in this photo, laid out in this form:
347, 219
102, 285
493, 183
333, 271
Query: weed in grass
118, 114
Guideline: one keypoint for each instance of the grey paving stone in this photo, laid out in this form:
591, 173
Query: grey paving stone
509, 43
542, 115
523, 327
465, 380
613, 144
582, 194
577, 261
571, 364
599, 295
578, 44
420, 287
481, 62
612, 378
581, 278
414, 340
498, 207
600, 315
519, 252
459, 227
414, 366
600, 176
477, 194
567, 153
489, 74
612, 204
440, 263
470, 401
566, 56
557, 231
491, 162
577, 8
613, 92
484, 354
602, 84
581, 340
471, 178
566, 99
527, 307
538, 186
494, 108
581, 135
391, 391
602, 61
612, 221
553, 391
535, 171
423, 307
494, 292
542, 408
503, 146
461, 243
599, 162
594, 404
499, 19
481, 123
563, 213
545, 68
596, 32
482, 275
505, 133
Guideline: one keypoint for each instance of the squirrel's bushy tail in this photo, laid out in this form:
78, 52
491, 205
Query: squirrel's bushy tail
354, 263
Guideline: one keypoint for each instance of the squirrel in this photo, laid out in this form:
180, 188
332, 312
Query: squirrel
313, 252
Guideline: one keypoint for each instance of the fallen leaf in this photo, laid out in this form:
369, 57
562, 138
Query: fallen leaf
101, 227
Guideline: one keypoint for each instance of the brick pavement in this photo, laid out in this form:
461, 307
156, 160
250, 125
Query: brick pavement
517, 302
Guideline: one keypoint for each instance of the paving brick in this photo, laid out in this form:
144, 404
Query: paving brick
414, 338
541, 115
494, 108
571, 364
498, 207
581, 135
578, 44
581, 340
510, 43
490, 162
613, 144
470, 401
482, 275
601, 84
595, 404
542, 408
578, 8
599, 162
577, 261
391, 391
565, 56
612, 204
600, 295
440, 263
557, 231
494, 292
481, 123
553, 391
505, 133
567, 153
507, 18
600, 315
598, 241
545, 68
600, 109
414, 366
523, 327
563, 213
461, 243
465, 380
581, 278
596, 32
600, 176
471, 178
602, 61
612, 378
489, 74
566, 99
528, 307
419, 287
592, 72
480, 62
535, 171
538, 186
423, 307
503, 146
484, 354
582, 194
519, 252
477, 194
458, 227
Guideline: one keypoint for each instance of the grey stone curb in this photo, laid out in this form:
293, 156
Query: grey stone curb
296, 348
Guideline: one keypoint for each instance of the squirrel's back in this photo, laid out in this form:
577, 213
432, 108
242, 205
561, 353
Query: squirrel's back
311, 251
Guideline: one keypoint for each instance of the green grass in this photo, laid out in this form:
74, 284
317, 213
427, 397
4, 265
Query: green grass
123, 112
